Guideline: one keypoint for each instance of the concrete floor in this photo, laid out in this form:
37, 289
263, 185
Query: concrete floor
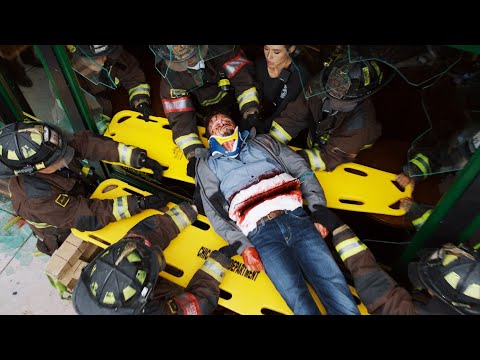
25, 288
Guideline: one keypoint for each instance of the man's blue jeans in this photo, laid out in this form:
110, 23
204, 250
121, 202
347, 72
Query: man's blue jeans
292, 250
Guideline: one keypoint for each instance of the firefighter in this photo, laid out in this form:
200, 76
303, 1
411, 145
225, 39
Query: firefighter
50, 185
199, 80
450, 274
337, 111
436, 157
123, 279
104, 68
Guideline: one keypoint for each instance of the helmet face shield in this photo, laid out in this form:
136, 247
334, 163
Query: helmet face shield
94, 66
347, 81
181, 65
338, 82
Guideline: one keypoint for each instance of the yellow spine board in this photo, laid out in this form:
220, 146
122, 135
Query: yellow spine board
250, 291
350, 186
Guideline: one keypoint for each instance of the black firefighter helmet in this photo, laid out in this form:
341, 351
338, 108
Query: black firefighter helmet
120, 280
452, 274
28, 147
348, 82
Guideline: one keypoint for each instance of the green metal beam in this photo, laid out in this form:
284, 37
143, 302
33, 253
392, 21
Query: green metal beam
465, 177
10, 99
471, 48
470, 230
77, 94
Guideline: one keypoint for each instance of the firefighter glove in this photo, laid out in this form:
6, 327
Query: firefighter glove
230, 250
253, 120
326, 217
145, 109
191, 166
154, 165
157, 201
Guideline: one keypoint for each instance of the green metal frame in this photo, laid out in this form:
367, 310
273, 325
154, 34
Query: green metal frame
10, 100
471, 48
65, 65
7, 95
465, 177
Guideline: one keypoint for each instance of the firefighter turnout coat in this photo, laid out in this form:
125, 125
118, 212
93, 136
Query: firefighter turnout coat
52, 204
335, 137
181, 111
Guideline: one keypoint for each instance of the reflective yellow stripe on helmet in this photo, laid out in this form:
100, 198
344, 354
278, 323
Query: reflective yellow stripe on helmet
142, 89
125, 153
179, 217
247, 96
473, 290
120, 208
452, 278
350, 247
187, 140
278, 133
214, 269
448, 259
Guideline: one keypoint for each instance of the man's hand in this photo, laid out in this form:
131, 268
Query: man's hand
321, 229
403, 180
147, 162
251, 259
157, 201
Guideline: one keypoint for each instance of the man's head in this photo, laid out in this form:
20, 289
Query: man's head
120, 280
224, 136
90, 62
179, 57
26, 148
452, 274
